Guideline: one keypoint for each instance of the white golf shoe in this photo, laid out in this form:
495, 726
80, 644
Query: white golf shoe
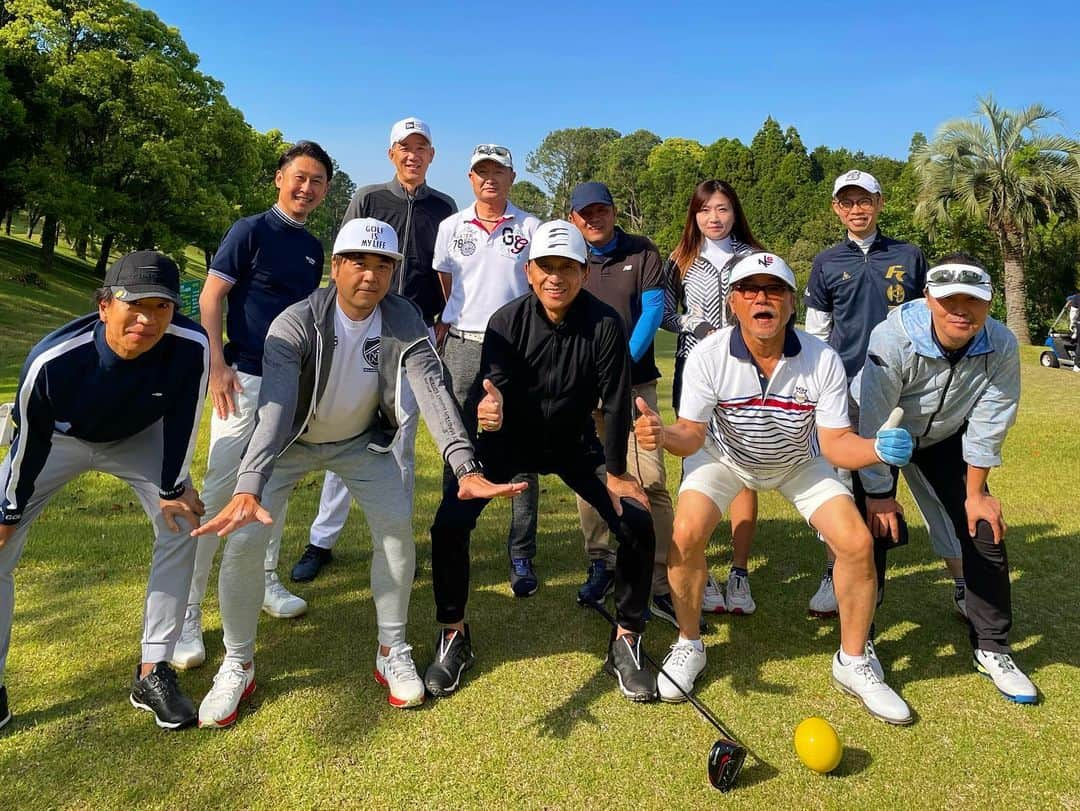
279, 602
739, 600
1006, 676
397, 671
232, 684
857, 678
823, 603
871, 657
190, 651
683, 664
712, 601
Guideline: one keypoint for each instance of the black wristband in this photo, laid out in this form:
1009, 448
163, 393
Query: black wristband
176, 492
470, 468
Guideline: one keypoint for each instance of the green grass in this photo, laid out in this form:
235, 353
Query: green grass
537, 723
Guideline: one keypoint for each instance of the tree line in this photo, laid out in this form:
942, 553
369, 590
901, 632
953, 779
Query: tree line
112, 139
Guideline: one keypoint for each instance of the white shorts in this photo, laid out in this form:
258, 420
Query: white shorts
808, 485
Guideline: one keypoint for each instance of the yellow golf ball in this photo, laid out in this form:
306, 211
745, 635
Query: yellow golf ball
818, 745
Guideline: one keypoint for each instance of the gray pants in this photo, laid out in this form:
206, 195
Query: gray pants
462, 361
136, 461
375, 481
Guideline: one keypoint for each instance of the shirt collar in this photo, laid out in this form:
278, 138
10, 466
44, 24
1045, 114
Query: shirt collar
285, 218
739, 349
608, 248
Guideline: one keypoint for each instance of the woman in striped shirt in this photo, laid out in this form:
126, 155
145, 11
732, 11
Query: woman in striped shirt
716, 231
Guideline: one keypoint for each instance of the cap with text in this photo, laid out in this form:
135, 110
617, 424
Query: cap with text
863, 180
953, 279
406, 127
144, 274
491, 152
367, 235
763, 262
558, 238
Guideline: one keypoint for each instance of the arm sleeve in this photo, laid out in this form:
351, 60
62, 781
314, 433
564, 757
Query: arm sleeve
613, 367
674, 299
180, 424
424, 371
994, 412
652, 310
30, 446
818, 294
440, 257
819, 323
881, 383
831, 410
920, 271
232, 262
283, 357
700, 379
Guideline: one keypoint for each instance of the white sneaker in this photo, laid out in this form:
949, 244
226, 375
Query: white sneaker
190, 651
857, 678
1006, 676
712, 602
232, 684
871, 657
397, 671
279, 602
823, 603
683, 663
739, 600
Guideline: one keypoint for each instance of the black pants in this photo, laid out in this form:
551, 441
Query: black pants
988, 597
456, 519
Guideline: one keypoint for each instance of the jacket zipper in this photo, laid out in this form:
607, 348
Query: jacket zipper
405, 244
941, 402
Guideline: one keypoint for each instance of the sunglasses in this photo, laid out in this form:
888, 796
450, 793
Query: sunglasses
957, 275
492, 149
750, 291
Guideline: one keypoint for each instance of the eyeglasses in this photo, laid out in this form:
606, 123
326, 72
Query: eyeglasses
750, 291
492, 149
846, 204
957, 274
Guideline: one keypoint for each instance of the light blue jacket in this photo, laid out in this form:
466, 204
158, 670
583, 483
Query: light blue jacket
905, 367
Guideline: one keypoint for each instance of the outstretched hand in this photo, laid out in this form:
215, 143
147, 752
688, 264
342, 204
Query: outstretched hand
626, 486
477, 486
241, 510
882, 517
489, 412
187, 505
648, 428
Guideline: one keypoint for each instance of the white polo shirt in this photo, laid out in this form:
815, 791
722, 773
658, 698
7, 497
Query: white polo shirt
763, 427
488, 269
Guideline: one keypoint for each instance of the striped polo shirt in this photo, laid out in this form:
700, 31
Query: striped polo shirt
764, 427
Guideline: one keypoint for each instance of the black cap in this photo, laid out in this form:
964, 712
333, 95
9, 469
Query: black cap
144, 274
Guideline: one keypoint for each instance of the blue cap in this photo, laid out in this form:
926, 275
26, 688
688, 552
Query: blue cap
585, 194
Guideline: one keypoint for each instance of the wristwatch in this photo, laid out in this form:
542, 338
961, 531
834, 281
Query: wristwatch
470, 468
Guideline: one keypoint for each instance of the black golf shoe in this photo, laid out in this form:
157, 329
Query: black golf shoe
159, 693
5, 713
625, 661
310, 563
453, 656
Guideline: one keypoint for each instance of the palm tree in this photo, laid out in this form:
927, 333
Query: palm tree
1000, 169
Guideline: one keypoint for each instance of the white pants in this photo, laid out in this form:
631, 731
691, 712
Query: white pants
228, 441
373, 480
335, 499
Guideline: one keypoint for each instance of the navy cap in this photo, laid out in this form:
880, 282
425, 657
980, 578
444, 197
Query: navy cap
144, 274
585, 194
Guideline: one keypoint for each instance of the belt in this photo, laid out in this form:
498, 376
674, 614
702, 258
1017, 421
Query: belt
467, 335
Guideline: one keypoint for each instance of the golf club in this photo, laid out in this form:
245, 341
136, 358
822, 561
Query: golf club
727, 754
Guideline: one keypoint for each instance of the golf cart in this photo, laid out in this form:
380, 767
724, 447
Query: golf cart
1060, 344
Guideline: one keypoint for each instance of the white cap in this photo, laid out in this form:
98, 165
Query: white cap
406, 127
761, 262
950, 279
491, 152
864, 180
367, 235
558, 238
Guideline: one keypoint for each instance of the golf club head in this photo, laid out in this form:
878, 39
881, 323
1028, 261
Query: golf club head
725, 763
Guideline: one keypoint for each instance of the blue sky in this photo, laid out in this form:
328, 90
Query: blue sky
861, 75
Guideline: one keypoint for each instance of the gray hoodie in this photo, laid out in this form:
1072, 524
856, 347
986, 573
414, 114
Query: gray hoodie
980, 394
296, 366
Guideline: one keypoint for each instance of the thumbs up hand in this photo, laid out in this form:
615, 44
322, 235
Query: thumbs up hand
648, 428
893, 444
489, 412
